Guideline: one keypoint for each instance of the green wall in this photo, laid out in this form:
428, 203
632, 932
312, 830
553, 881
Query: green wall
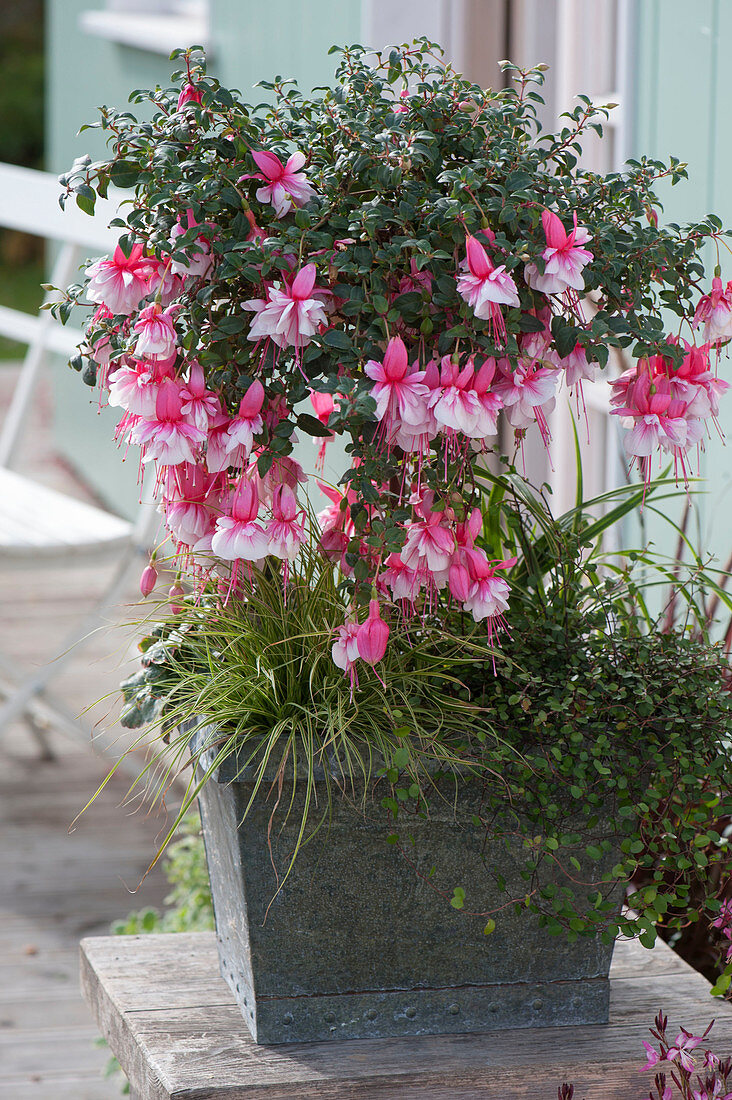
249, 41
682, 59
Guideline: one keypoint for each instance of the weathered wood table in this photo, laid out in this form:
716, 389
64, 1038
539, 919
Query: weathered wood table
170, 1020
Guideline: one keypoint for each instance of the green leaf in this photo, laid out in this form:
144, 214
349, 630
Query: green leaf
264, 463
125, 173
722, 984
313, 426
337, 338
457, 901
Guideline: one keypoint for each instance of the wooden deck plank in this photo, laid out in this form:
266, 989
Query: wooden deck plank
171, 1020
57, 886
54, 888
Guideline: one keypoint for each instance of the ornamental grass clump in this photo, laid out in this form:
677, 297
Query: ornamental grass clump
405, 261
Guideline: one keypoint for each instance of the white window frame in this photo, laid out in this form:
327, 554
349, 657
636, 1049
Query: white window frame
157, 26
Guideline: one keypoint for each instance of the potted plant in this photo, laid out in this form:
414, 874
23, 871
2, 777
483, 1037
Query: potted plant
435, 729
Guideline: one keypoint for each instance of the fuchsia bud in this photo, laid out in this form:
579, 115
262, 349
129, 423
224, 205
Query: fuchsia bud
256, 233
373, 636
175, 595
148, 580
459, 581
189, 94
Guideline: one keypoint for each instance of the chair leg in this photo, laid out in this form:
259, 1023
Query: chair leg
39, 731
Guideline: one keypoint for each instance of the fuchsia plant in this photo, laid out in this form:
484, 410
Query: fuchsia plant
430, 273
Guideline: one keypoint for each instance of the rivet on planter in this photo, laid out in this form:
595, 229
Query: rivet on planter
371, 1014
493, 1007
330, 1017
453, 1009
287, 1019
537, 1004
411, 1013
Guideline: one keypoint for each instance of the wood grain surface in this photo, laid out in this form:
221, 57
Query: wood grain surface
171, 1021
56, 885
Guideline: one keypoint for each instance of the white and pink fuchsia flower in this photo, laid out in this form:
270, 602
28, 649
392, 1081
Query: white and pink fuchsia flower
564, 257
238, 536
486, 288
289, 316
119, 283
715, 312
199, 260
168, 438
156, 332
285, 185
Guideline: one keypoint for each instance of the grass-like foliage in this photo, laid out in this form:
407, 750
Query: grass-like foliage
599, 745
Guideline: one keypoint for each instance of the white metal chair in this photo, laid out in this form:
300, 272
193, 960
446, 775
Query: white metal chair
37, 523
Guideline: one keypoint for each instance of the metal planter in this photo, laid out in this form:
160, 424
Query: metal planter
357, 944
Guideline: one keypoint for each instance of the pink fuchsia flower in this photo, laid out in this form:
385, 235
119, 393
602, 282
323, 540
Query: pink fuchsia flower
715, 312
286, 185
488, 596
527, 392
345, 648
400, 396
256, 233
694, 382
189, 94
416, 280
167, 437
464, 402
120, 283
198, 255
200, 405
157, 335
459, 577
372, 637
100, 348
246, 424
403, 581
336, 526
681, 1051
133, 388
459, 581
190, 503
289, 316
429, 544
175, 595
218, 457
164, 284
577, 368
323, 404
564, 257
148, 580
658, 420
286, 530
285, 470
238, 535
486, 288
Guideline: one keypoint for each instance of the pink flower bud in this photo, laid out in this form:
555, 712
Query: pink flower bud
459, 581
148, 580
189, 94
373, 636
176, 594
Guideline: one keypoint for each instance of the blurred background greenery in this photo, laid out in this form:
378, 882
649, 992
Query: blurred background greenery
21, 142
